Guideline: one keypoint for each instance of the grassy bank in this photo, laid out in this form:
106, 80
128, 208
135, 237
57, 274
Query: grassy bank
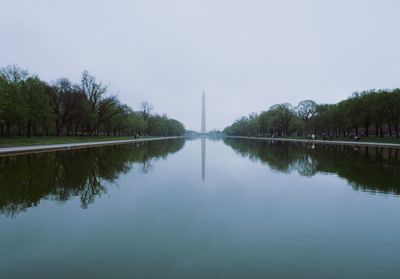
23, 141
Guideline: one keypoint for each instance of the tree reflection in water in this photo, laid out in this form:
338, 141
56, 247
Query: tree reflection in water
28, 179
371, 169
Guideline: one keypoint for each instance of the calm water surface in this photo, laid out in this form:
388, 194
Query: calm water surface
201, 209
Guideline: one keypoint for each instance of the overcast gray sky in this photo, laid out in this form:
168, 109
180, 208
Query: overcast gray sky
247, 55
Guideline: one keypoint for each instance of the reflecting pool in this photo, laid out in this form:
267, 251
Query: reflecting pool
201, 209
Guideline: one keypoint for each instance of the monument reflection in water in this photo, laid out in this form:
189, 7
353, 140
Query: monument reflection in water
203, 159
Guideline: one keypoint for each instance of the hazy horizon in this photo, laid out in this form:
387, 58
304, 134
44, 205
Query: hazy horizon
245, 55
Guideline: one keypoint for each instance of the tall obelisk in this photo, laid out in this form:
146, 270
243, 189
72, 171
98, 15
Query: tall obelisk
203, 114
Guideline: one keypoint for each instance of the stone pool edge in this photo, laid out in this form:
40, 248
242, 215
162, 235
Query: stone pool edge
21, 150
331, 142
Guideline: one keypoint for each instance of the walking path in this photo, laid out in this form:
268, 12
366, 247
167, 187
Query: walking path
4, 151
333, 142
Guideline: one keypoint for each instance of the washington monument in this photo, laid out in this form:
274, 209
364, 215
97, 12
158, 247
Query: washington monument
203, 114
203, 140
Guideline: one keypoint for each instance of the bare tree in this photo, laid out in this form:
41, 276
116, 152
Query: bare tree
146, 109
62, 95
99, 104
306, 109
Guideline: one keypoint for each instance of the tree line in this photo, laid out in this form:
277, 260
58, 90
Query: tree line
366, 113
32, 107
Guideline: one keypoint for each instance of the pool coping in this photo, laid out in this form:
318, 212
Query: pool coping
331, 142
21, 150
